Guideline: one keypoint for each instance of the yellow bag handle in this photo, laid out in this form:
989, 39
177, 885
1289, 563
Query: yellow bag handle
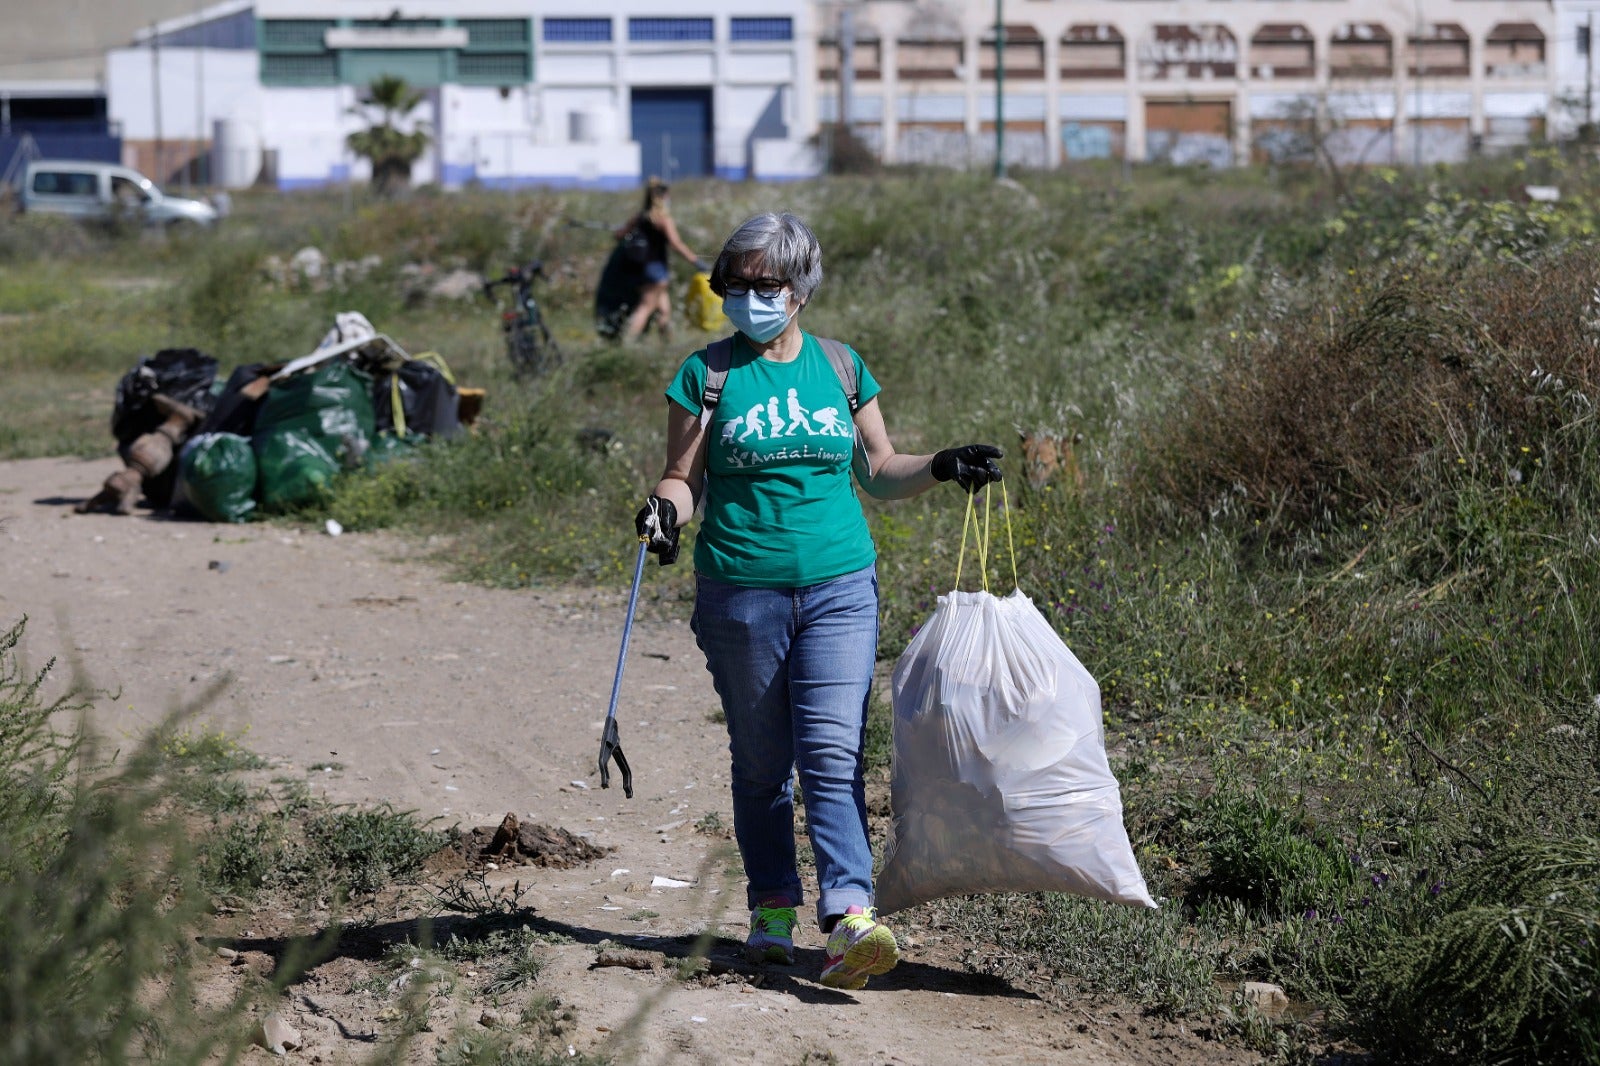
438, 363
396, 404
981, 538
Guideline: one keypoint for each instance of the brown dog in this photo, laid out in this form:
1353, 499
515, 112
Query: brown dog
1050, 458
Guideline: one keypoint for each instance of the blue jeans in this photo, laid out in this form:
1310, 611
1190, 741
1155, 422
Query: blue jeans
794, 669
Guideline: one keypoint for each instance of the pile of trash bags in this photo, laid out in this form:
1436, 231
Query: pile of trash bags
273, 436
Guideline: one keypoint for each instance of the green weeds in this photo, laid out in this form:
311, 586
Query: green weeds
97, 891
1330, 554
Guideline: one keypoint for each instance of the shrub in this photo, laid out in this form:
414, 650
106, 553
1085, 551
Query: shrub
1269, 857
366, 849
36, 761
1511, 973
1413, 378
98, 897
32, 238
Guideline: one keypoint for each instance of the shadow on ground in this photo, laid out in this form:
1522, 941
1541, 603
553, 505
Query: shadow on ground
295, 958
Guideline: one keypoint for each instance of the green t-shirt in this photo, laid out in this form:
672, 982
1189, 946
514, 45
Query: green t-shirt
780, 509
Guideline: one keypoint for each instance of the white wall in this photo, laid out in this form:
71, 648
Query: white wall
198, 87
526, 136
572, 123
1577, 76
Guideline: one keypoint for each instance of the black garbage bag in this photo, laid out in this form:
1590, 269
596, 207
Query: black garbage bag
182, 374
617, 293
234, 409
418, 396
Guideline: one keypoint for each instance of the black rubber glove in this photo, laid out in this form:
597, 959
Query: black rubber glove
702, 266
657, 526
972, 466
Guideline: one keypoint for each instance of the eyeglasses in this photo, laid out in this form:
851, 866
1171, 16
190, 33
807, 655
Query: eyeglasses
766, 288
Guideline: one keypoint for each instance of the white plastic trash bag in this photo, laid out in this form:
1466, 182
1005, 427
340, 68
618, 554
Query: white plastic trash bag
1000, 778
347, 326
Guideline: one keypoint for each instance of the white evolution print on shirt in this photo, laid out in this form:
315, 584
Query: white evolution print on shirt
765, 422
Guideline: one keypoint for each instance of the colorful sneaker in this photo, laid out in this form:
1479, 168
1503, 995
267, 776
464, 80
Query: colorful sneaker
859, 947
771, 932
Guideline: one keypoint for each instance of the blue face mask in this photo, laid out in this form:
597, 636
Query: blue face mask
757, 317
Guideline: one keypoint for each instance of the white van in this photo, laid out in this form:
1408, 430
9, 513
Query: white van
102, 191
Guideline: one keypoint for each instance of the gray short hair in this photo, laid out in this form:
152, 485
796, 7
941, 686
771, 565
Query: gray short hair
787, 245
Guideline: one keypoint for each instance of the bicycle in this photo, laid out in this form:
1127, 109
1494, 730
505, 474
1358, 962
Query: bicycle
529, 345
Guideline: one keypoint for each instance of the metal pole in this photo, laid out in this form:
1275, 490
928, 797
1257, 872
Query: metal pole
999, 89
1416, 110
847, 65
199, 94
627, 628
1588, 77
155, 88
610, 738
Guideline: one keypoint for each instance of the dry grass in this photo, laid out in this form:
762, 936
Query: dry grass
1309, 418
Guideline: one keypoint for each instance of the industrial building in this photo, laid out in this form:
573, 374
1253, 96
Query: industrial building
602, 92
52, 74
1199, 81
593, 94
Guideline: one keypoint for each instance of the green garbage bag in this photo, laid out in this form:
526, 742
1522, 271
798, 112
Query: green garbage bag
309, 427
387, 446
217, 472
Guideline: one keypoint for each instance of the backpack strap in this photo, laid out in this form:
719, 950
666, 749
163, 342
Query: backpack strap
844, 366
719, 355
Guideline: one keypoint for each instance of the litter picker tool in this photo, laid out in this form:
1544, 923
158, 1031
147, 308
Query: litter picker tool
610, 741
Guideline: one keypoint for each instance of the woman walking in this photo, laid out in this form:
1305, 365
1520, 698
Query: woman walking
656, 234
786, 605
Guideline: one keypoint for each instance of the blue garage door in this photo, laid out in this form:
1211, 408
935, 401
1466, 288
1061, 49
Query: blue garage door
673, 128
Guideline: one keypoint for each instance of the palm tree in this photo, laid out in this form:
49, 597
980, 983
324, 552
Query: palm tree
385, 105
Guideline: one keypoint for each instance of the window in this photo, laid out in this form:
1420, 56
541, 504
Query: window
294, 52
491, 34
1361, 50
1189, 50
928, 59
64, 183
669, 29
773, 29
867, 57
1092, 50
127, 192
282, 35
1024, 53
1442, 53
492, 68
496, 52
1514, 50
577, 31
300, 69
1282, 50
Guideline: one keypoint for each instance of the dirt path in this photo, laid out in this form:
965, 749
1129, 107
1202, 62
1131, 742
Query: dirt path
467, 703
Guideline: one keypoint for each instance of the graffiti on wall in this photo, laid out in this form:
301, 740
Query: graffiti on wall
1199, 50
1079, 141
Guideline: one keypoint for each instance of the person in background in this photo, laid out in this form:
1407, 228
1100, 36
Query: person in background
786, 605
656, 234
